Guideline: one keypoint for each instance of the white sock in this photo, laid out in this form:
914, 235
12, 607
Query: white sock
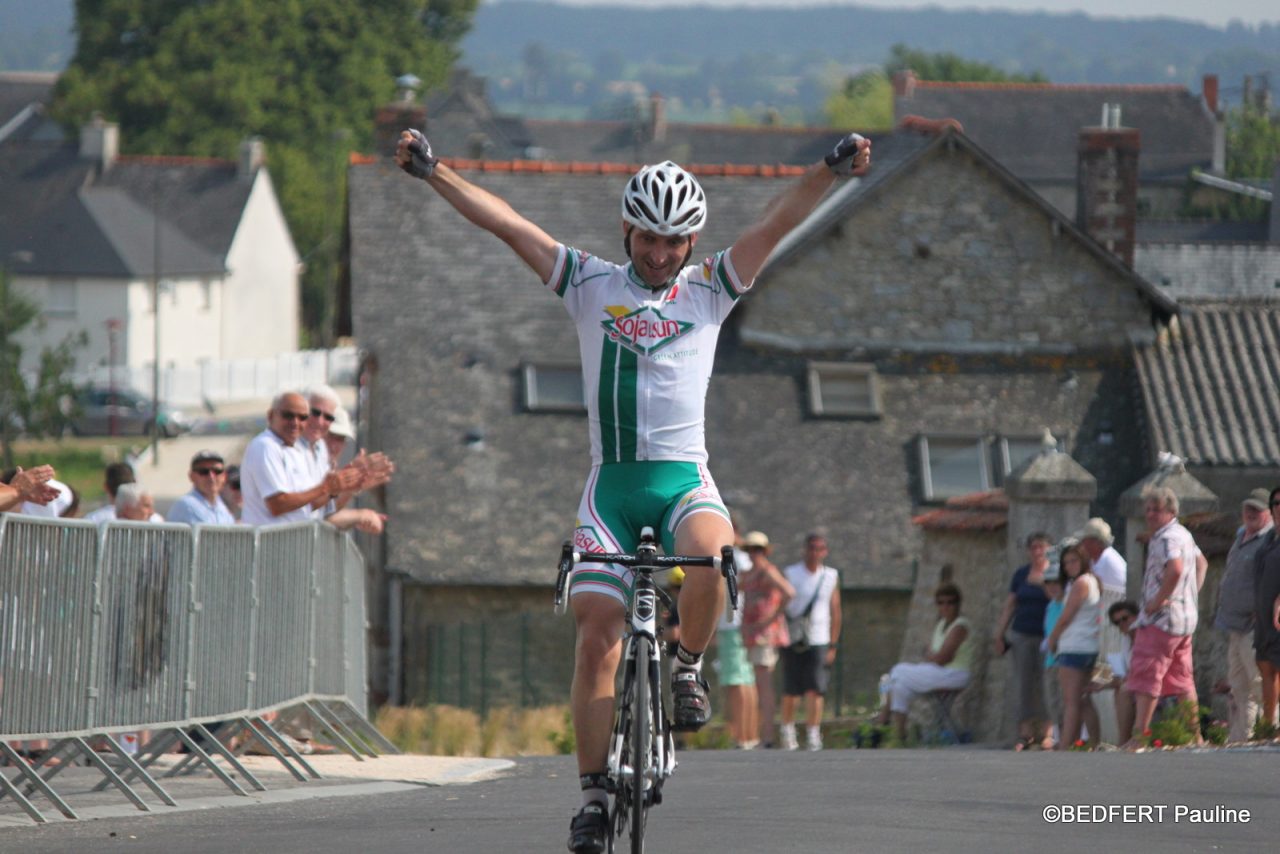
815, 734
677, 664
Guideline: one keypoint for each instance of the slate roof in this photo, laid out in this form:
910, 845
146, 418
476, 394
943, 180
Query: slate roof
462, 123
1032, 128
203, 197
1204, 270
1200, 231
893, 155
1209, 385
66, 219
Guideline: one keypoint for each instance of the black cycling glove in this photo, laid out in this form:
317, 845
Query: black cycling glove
841, 158
422, 163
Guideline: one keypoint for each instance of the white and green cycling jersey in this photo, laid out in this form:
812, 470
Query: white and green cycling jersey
646, 355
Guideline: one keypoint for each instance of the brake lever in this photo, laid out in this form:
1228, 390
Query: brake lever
729, 569
567, 559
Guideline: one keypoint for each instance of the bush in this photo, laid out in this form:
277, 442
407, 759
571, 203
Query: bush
449, 731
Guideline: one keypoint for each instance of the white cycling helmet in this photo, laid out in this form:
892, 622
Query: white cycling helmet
665, 199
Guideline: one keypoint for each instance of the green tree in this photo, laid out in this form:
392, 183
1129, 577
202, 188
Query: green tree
864, 101
1253, 148
41, 406
306, 77
951, 68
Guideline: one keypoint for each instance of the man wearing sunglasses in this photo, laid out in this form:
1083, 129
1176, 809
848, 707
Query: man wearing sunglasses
203, 505
278, 483
375, 469
324, 404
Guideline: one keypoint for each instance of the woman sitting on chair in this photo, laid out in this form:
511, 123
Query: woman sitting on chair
946, 664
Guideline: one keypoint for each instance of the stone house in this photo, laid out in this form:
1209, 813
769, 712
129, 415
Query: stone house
86, 232
909, 343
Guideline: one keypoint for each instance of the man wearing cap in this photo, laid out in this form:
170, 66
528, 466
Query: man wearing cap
340, 432
1108, 565
203, 505
1235, 614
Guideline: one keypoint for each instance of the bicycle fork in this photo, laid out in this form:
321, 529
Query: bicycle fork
644, 623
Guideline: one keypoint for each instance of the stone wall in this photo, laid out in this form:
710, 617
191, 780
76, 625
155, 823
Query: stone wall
970, 263
978, 568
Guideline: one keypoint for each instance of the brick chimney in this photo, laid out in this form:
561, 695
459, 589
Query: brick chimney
100, 142
1209, 88
1210, 92
253, 156
657, 118
403, 113
1107, 184
904, 84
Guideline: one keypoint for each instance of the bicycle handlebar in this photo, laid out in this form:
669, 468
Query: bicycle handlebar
646, 559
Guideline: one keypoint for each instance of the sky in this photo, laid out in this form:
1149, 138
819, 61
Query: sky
1216, 13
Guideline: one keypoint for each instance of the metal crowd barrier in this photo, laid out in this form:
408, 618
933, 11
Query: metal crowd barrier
208, 638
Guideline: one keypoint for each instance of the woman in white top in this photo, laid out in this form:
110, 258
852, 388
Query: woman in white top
1074, 641
947, 661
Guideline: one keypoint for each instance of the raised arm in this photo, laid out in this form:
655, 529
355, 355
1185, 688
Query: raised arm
851, 156
490, 212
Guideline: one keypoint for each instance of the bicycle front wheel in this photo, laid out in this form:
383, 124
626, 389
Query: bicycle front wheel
641, 743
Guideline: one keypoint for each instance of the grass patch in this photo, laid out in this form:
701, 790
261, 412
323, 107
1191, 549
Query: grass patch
449, 731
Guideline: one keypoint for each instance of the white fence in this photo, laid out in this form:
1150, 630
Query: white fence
236, 379
172, 629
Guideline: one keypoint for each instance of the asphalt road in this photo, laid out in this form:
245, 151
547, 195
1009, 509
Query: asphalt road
953, 800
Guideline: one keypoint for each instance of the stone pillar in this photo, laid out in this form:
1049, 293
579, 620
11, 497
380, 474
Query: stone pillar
1050, 492
1193, 497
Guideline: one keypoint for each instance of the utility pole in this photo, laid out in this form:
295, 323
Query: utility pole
155, 325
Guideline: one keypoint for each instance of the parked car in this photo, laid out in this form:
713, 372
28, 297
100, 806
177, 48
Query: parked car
124, 412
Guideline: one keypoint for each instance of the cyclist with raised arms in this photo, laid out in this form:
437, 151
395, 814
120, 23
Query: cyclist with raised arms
647, 335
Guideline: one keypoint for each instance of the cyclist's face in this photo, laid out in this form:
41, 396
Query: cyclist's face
657, 259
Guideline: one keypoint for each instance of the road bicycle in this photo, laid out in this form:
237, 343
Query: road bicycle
642, 750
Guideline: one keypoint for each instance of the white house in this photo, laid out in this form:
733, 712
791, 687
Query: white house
88, 233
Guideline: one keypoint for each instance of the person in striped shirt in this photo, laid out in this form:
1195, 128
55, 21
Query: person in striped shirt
647, 334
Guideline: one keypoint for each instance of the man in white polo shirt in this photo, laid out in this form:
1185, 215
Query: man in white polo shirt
276, 479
